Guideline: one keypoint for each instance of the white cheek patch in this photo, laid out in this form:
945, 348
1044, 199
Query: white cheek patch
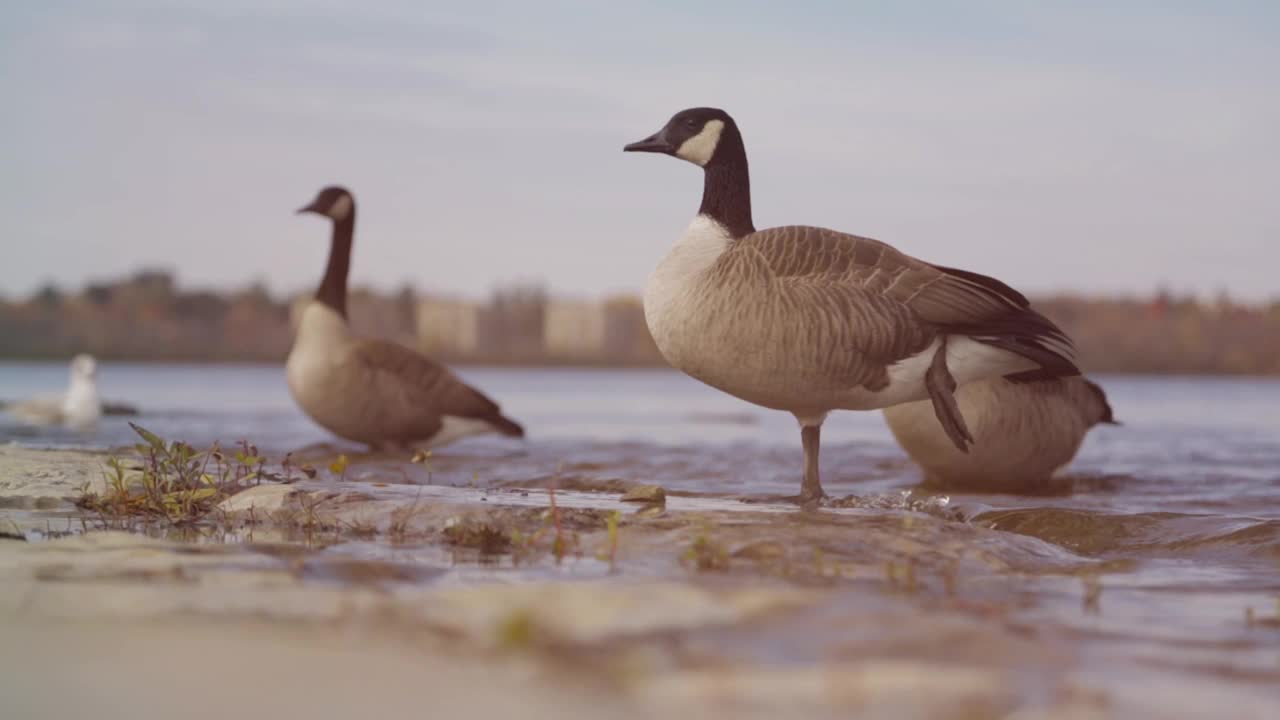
341, 208
699, 148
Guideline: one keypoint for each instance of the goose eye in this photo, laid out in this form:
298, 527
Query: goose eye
691, 123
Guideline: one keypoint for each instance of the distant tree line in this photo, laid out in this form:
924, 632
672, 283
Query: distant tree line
1168, 335
148, 317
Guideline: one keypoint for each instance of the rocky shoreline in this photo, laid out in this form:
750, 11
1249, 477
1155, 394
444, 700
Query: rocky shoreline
332, 597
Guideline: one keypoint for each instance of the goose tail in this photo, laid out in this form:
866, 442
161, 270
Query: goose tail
1035, 337
505, 425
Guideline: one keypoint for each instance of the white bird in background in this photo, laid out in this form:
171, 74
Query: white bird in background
78, 408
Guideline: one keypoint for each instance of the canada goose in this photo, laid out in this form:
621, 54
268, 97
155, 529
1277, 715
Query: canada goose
811, 320
374, 391
1023, 433
79, 407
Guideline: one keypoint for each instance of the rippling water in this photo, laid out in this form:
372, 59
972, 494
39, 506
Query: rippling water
1193, 472
1188, 445
1179, 506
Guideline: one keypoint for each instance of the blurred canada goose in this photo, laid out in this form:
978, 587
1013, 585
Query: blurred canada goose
811, 320
1023, 433
374, 391
79, 407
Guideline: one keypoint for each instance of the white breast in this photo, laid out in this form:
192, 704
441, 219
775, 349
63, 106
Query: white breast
318, 350
667, 295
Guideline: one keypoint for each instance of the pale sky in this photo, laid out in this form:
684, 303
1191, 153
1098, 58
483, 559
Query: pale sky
1094, 146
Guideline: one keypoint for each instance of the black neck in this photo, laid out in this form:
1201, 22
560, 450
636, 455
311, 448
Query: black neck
333, 288
726, 185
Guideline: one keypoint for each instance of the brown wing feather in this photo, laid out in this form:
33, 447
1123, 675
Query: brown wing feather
820, 286
900, 303
429, 384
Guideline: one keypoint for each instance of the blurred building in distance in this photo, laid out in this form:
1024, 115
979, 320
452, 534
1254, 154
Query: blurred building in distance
511, 325
149, 316
448, 326
626, 336
573, 329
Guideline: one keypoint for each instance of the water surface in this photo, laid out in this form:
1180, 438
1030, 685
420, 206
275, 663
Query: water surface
1205, 446
1178, 509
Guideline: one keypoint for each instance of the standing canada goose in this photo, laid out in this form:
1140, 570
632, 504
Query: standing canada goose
811, 320
1023, 433
79, 407
374, 391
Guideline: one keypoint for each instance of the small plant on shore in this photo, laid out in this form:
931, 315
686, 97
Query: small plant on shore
172, 481
361, 528
312, 520
563, 541
402, 520
557, 532
339, 467
611, 551
559, 545
705, 553
423, 458
486, 537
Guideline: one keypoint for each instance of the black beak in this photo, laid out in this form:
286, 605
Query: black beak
655, 143
312, 208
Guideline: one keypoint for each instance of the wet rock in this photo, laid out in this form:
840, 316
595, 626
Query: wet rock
261, 498
45, 479
645, 494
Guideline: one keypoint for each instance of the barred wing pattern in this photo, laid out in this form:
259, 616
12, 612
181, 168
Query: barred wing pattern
870, 305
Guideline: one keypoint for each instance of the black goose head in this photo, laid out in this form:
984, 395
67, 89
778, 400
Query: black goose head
334, 202
709, 138
703, 136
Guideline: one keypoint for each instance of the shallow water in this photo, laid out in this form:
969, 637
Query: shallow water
1201, 446
1177, 510
1193, 471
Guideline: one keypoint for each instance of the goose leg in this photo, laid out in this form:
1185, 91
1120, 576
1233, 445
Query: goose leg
941, 387
811, 486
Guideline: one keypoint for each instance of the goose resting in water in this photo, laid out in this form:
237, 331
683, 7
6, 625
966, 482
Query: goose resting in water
1023, 433
78, 408
810, 320
373, 391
